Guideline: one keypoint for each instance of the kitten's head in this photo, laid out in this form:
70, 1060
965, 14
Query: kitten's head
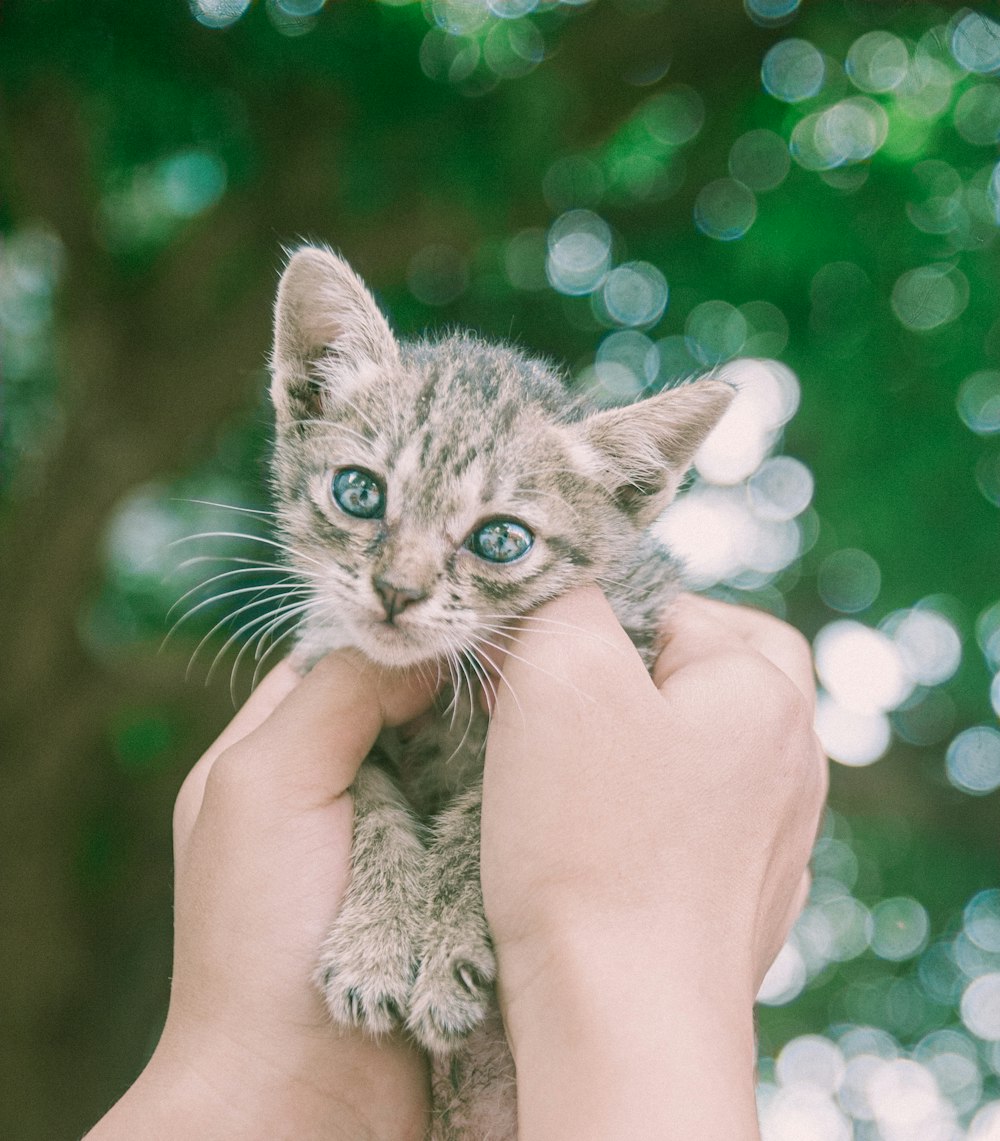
433, 489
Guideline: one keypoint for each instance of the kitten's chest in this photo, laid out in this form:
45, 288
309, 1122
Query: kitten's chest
444, 756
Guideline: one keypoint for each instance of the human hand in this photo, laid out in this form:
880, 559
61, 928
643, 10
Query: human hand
262, 837
644, 853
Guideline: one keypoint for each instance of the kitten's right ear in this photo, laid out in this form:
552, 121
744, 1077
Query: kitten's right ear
327, 330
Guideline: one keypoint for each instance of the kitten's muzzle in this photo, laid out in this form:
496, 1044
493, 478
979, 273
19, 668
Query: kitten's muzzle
395, 599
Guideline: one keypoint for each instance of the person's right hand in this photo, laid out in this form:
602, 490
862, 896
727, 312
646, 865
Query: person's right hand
645, 846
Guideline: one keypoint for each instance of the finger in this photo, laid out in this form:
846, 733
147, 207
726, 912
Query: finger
779, 642
698, 627
274, 688
571, 650
693, 634
307, 752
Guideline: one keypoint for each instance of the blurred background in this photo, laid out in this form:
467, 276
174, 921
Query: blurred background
643, 189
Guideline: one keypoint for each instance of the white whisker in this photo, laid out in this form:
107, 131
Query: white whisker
288, 587
228, 618
252, 538
222, 575
512, 626
246, 627
227, 506
555, 677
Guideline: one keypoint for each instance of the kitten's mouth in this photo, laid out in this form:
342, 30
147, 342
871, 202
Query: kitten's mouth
394, 645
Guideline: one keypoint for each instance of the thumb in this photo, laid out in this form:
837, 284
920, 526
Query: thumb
570, 657
313, 743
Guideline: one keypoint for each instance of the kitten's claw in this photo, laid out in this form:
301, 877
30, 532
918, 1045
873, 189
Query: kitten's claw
364, 994
452, 995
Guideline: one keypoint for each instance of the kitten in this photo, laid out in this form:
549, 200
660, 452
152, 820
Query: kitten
433, 492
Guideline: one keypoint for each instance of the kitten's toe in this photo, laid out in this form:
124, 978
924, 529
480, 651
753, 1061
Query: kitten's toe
363, 988
452, 995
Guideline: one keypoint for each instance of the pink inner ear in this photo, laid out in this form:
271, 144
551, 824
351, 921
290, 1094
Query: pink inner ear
648, 447
323, 315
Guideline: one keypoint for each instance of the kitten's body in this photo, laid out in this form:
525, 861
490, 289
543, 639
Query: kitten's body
449, 439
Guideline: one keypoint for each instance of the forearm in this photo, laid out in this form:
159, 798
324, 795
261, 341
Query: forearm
606, 1047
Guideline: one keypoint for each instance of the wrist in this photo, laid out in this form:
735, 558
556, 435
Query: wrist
223, 1091
616, 1036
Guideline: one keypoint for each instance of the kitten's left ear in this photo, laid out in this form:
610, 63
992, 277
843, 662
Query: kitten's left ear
327, 328
647, 448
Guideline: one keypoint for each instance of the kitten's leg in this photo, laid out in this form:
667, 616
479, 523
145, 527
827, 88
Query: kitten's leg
453, 991
368, 960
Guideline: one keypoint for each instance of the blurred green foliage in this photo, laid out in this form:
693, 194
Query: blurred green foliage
637, 188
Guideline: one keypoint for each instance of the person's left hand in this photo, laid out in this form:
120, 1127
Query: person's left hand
262, 838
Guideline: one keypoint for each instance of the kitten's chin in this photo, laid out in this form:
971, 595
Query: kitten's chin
395, 647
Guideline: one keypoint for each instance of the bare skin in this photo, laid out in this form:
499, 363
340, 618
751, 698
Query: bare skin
644, 854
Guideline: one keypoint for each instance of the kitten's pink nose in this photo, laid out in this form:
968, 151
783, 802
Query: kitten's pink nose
396, 598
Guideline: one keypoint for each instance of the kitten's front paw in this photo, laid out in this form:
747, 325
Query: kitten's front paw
453, 991
365, 974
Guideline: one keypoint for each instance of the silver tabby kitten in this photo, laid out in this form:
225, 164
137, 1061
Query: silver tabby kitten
434, 491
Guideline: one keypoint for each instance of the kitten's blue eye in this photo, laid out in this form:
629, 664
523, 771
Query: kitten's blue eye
358, 493
501, 541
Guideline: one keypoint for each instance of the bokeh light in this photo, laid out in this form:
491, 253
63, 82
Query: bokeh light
977, 115
793, 70
811, 1060
780, 489
674, 116
975, 42
927, 717
926, 92
988, 476
973, 760
767, 329
849, 580
877, 62
981, 1007
759, 159
988, 635
300, 8
766, 398
930, 296
900, 927
985, 1126
511, 49
979, 402
512, 9
635, 293
928, 643
579, 252
218, 13
715, 331
632, 351
459, 17
850, 737
785, 977
860, 667
725, 209
981, 920
771, 13
146, 206
847, 132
